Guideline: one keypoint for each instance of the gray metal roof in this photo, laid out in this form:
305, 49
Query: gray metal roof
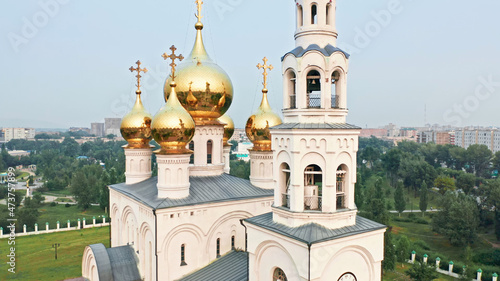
314, 233
124, 263
118, 263
203, 190
233, 266
102, 261
328, 50
316, 126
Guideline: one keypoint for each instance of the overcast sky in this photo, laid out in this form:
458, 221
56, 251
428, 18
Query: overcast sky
67, 64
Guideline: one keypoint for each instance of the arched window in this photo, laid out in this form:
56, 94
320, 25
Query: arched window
291, 81
279, 275
313, 89
209, 152
183, 255
191, 147
314, 14
335, 89
284, 183
217, 250
313, 188
328, 13
341, 186
300, 16
232, 242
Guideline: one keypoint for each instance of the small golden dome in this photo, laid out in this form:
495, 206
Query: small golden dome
173, 127
228, 128
136, 125
203, 88
257, 127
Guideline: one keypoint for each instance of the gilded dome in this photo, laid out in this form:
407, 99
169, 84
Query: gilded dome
204, 89
257, 127
173, 127
228, 127
136, 125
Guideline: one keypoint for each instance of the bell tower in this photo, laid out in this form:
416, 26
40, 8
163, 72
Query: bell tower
313, 231
315, 149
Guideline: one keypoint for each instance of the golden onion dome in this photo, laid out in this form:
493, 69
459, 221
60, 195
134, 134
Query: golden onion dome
257, 127
204, 89
228, 127
136, 125
173, 127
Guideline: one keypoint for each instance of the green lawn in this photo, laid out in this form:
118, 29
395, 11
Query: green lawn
58, 193
23, 175
61, 213
35, 255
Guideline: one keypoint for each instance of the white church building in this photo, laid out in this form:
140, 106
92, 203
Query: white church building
295, 219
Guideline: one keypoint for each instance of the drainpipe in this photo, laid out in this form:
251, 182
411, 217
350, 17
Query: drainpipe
246, 250
156, 242
309, 262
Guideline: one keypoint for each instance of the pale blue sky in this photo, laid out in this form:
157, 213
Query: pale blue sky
73, 70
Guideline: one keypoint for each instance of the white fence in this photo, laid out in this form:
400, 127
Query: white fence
59, 228
450, 272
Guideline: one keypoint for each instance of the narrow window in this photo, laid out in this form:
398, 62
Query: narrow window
183, 255
314, 14
218, 248
300, 16
328, 13
191, 147
232, 242
209, 152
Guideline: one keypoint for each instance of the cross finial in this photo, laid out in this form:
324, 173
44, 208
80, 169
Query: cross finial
173, 57
199, 4
265, 67
139, 70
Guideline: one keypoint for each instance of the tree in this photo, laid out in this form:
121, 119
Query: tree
422, 272
413, 171
70, 147
424, 201
466, 182
389, 262
444, 184
402, 248
240, 169
399, 199
458, 219
371, 155
479, 157
496, 161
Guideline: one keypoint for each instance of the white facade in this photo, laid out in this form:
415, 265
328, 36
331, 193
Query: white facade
314, 167
489, 137
18, 133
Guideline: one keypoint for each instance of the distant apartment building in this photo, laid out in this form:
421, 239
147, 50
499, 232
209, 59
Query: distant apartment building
18, 133
112, 126
489, 137
97, 129
436, 137
239, 135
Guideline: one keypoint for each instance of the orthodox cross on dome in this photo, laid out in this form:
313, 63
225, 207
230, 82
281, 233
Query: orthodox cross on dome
199, 4
265, 67
139, 70
173, 57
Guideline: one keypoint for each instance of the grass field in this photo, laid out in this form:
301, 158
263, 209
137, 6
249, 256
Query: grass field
58, 193
61, 213
35, 255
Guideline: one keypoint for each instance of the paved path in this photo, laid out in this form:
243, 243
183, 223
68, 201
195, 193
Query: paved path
414, 211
